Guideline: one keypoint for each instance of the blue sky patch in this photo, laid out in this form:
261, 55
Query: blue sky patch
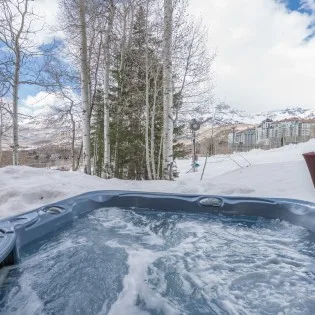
296, 5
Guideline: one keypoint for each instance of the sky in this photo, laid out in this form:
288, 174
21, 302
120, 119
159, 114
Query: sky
265, 51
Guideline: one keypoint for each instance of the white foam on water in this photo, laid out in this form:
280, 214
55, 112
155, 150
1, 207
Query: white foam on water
188, 264
136, 289
246, 270
24, 300
135, 286
116, 218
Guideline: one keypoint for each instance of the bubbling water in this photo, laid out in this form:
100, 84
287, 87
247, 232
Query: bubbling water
122, 261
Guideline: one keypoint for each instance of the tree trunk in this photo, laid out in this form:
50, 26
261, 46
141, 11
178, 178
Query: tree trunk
160, 156
85, 93
120, 94
147, 107
16, 84
167, 93
95, 161
15, 146
116, 157
1, 133
107, 168
79, 157
73, 134
155, 174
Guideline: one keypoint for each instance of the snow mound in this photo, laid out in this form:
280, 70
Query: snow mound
275, 173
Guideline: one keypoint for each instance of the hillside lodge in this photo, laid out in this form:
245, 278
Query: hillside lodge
273, 133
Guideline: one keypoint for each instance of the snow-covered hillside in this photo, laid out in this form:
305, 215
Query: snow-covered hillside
37, 132
275, 173
34, 133
228, 115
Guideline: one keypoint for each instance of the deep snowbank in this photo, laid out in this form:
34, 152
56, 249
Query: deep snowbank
276, 173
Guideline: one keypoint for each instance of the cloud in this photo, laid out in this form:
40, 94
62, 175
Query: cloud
40, 103
308, 4
264, 61
47, 10
43, 102
41, 25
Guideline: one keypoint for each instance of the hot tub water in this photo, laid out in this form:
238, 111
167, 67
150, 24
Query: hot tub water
122, 261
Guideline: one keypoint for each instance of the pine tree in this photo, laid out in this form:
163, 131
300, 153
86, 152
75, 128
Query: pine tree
128, 113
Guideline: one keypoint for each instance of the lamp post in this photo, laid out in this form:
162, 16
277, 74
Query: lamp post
194, 126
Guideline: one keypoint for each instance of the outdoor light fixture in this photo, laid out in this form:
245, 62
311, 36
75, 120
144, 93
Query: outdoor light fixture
194, 125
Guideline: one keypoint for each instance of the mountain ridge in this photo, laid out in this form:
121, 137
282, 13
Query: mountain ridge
227, 115
36, 132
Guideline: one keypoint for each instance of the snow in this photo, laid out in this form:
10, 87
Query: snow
228, 115
37, 131
275, 173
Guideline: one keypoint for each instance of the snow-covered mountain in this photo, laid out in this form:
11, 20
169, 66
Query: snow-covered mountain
227, 115
37, 133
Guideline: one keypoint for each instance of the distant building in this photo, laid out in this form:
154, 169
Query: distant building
263, 130
274, 133
240, 137
244, 138
249, 137
307, 128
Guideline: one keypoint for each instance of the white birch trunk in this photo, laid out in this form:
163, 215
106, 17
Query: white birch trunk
154, 173
160, 156
107, 168
147, 105
167, 93
73, 135
121, 69
1, 132
95, 156
85, 93
16, 84
15, 146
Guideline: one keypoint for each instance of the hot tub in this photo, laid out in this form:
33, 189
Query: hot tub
115, 252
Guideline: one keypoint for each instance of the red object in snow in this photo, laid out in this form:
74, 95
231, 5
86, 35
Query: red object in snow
310, 161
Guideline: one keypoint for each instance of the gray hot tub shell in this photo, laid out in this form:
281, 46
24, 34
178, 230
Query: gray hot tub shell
17, 231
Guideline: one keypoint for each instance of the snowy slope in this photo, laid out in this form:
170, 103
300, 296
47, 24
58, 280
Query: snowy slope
37, 132
227, 115
275, 173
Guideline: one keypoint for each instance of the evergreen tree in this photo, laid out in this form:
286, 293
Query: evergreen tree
127, 128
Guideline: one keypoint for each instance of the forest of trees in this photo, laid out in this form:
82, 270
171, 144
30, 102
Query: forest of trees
126, 73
